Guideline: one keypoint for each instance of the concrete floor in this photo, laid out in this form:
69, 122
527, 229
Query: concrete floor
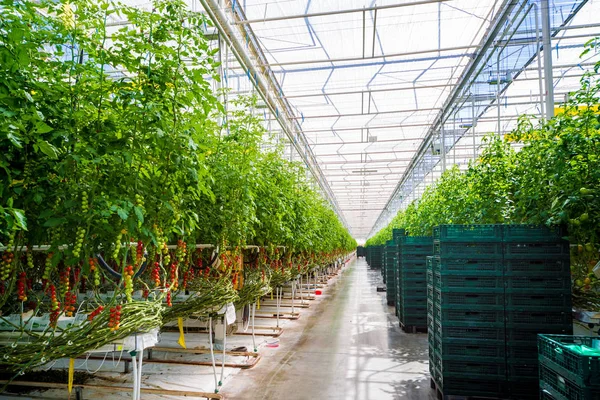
348, 347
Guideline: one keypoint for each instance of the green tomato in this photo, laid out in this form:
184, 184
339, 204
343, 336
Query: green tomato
584, 217
585, 191
589, 247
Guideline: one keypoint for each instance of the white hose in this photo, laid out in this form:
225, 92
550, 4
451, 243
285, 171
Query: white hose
277, 302
212, 354
134, 394
293, 294
253, 336
224, 344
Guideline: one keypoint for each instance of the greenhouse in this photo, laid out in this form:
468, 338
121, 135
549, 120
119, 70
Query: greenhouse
266, 199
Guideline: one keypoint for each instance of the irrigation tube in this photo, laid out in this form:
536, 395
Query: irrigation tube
224, 345
212, 354
253, 336
135, 374
293, 294
277, 303
139, 376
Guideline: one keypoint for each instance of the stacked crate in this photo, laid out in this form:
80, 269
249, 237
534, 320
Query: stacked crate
391, 267
412, 281
569, 367
397, 235
466, 318
375, 257
537, 299
431, 318
491, 290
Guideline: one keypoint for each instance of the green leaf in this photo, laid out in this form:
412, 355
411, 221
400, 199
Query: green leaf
43, 127
123, 214
20, 219
15, 140
52, 222
139, 213
48, 149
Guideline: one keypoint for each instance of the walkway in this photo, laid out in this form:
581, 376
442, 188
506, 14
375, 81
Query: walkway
348, 347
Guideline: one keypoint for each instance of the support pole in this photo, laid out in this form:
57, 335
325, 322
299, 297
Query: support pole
549, 79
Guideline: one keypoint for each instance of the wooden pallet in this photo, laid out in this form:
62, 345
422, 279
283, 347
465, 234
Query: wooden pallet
439, 394
413, 328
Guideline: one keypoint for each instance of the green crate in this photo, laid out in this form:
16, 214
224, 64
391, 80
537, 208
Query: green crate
465, 265
536, 251
533, 233
471, 349
521, 352
459, 369
416, 241
543, 300
520, 369
413, 258
562, 353
474, 301
529, 334
459, 251
560, 387
548, 268
468, 387
412, 302
453, 282
414, 266
420, 275
429, 262
548, 284
413, 283
475, 333
468, 233
537, 318
471, 318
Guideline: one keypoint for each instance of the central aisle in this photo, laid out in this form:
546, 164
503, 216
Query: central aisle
349, 347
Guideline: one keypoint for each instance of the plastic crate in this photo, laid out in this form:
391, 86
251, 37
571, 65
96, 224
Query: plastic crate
414, 301
474, 301
413, 283
469, 369
550, 284
461, 282
562, 388
529, 335
464, 265
533, 233
547, 268
471, 349
480, 251
517, 352
538, 301
416, 240
475, 333
414, 266
521, 369
472, 318
537, 318
537, 251
468, 233
421, 275
559, 353
413, 258
429, 263
465, 387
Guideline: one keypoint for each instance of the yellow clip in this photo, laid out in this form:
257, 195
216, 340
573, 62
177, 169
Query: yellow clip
258, 304
181, 340
71, 373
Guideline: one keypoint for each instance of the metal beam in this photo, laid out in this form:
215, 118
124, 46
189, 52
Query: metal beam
373, 57
338, 12
415, 110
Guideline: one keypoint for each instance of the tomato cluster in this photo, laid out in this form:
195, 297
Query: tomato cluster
22, 287
95, 313
114, 322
